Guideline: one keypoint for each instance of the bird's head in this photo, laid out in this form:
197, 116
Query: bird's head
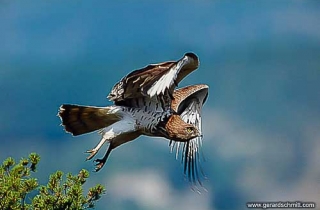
178, 130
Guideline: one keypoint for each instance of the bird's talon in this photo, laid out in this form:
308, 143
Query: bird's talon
92, 154
99, 164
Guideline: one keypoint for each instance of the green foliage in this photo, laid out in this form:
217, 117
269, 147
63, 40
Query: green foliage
16, 185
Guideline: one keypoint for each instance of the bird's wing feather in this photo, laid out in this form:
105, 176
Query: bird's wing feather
153, 84
188, 102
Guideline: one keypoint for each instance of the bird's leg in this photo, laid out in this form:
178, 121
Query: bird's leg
94, 151
101, 162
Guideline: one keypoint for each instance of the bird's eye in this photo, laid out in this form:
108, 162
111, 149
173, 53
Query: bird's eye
189, 130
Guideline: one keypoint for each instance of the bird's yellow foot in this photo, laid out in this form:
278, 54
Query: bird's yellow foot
92, 152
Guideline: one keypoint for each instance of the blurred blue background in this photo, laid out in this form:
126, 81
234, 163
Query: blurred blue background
261, 121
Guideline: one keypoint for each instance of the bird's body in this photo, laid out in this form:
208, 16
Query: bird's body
145, 103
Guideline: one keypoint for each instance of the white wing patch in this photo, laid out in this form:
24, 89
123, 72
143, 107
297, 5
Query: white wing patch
192, 114
167, 79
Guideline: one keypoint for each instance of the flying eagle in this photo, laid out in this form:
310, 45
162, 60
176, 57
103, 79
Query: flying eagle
145, 102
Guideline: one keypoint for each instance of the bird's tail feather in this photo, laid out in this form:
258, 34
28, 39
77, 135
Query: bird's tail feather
84, 119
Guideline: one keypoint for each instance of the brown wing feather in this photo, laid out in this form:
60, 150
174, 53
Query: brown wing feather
137, 83
180, 95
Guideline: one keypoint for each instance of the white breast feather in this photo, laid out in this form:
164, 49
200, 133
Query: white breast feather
146, 120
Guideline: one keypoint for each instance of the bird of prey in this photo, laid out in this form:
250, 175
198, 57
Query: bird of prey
145, 102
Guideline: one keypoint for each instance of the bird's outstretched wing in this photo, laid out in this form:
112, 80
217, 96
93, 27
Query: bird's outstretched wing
153, 85
188, 102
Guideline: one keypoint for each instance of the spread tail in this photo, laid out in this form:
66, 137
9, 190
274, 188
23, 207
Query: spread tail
84, 119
